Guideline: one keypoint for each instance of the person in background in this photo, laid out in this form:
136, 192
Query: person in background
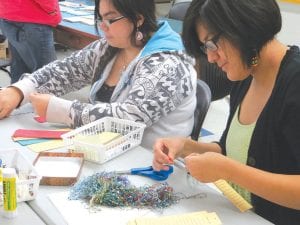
258, 153
28, 26
138, 71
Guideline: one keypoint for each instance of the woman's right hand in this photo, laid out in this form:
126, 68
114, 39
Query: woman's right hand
10, 98
165, 150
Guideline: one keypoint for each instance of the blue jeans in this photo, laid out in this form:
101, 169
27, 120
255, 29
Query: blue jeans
31, 46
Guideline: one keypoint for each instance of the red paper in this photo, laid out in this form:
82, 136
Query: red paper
40, 119
39, 133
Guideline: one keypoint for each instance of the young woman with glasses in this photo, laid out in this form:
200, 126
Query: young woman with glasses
138, 70
259, 151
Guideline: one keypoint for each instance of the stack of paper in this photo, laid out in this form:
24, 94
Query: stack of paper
39, 140
77, 9
72, 4
197, 218
80, 19
96, 139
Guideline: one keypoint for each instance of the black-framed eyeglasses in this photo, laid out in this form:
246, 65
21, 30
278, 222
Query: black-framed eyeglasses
108, 22
210, 45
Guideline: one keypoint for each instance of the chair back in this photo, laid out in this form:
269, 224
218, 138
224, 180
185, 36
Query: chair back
162, 1
203, 95
2, 38
178, 10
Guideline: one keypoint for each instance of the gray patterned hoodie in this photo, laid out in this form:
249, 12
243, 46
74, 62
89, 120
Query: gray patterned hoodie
158, 87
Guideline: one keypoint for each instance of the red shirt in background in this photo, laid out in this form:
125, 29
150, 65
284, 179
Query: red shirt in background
31, 11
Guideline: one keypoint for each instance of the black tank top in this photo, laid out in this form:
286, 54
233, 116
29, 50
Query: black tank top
105, 92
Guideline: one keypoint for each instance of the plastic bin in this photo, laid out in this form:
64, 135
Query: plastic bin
28, 180
131, 136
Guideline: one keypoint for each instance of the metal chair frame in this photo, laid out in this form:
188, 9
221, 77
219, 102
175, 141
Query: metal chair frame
3, 64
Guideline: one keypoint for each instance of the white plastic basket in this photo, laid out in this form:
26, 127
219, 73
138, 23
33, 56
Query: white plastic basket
131, 136
28, 179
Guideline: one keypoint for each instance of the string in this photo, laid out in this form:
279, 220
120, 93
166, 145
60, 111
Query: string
112, 190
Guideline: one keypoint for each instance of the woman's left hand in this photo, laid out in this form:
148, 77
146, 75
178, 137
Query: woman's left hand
207, 167
40, 103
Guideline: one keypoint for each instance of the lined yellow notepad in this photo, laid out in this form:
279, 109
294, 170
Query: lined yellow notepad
232, 195
196, 218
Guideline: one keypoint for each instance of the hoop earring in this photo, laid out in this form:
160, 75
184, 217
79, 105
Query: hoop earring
138, 35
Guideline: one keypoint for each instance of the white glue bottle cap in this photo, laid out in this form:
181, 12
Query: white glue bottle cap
9, 192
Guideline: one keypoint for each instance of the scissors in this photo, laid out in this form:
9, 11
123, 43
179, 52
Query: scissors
149, 172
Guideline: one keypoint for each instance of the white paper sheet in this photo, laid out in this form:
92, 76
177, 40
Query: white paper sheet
58, 166
77, 213
80, 19
78, 12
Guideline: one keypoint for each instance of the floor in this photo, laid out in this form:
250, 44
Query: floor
218, 111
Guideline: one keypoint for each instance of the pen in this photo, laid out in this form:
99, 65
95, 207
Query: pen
179, 162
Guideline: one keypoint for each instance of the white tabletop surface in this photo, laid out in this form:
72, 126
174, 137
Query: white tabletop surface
25, 215
138, 157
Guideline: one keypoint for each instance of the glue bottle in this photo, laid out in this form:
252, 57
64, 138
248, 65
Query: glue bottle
9, 192
0, 170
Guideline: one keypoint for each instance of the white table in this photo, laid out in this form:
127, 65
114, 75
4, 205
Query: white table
25, 216
213, 202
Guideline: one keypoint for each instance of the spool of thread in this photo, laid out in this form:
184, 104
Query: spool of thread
9, 192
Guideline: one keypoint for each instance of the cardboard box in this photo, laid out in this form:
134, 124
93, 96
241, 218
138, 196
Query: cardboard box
59, 168
4, 50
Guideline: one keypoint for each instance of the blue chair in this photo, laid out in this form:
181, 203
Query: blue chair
203, 95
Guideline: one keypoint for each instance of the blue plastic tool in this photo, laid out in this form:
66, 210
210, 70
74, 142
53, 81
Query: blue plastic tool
149, 172
0, 162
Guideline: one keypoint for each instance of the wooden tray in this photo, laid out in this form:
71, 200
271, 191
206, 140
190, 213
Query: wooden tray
59, 169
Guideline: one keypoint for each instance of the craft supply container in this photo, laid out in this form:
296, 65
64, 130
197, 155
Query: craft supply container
28, 179
131, 136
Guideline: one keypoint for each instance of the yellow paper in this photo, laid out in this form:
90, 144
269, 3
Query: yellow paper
233, 196
291, 1
197, 218
21, 138
101, 138
48, 145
